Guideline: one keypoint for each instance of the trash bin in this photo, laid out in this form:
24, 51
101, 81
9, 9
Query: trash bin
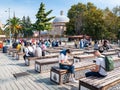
5, 49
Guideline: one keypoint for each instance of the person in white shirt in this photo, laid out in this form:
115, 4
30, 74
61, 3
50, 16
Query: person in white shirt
38, 51
65, 64
99, 69
96, 46
28, 49
34, 48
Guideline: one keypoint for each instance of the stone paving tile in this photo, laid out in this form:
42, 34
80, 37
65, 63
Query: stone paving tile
34, 81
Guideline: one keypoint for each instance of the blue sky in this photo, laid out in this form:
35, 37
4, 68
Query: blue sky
30, 7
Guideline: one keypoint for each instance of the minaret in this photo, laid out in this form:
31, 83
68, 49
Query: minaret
61, 12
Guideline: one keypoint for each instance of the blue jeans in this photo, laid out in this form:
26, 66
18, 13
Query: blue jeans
96, 74
70, 68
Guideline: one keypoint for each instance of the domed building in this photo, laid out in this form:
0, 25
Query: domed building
58, 25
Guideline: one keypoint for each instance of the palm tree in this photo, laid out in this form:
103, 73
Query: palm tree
14, 25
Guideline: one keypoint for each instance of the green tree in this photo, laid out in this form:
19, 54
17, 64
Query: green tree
111, 24
42, 23
75, 14
93, 21
85, 19
27, 29
116, 12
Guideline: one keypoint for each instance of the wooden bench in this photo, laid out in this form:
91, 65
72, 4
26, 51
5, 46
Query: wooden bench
60, 47
87, 57
117, 49
111, 50
14, 52
77, 53
27, 60
109, 82
88, 48
116, 62
61, 76
18, 54
11, 50
53, 51
44, 65
110, 53
76, 50
89, 51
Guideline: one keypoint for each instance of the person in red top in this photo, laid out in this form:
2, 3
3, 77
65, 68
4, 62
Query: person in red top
43, 47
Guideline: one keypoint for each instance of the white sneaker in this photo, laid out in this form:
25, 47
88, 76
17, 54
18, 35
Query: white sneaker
73, 80
70, 79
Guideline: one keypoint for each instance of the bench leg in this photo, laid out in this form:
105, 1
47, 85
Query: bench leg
13, 54
27, 62
76, 60
37, 68
9, 53
17, 57
55, 77
79, 86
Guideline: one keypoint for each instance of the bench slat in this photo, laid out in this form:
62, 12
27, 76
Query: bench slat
101, 82
97, 80
110, 81
84, 56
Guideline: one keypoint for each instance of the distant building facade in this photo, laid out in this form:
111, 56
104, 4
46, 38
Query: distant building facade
58, 25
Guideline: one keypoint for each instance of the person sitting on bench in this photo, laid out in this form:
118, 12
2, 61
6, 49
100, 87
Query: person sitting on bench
98, 70
65, 64
28, 49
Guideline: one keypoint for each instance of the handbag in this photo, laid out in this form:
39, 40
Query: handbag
30, 53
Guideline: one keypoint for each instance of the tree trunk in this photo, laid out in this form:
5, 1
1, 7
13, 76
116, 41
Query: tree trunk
15, 36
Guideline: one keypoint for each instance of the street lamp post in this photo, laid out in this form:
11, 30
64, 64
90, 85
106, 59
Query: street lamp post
9, 26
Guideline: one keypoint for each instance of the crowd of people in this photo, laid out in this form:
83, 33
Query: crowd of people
82, 43
98, 45
34, 47
37, 48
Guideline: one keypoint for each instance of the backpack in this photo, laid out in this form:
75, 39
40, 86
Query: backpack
109, 63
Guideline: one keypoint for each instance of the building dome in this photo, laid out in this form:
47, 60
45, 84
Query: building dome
61, 19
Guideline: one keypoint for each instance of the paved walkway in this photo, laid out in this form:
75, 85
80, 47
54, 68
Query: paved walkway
33, 81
